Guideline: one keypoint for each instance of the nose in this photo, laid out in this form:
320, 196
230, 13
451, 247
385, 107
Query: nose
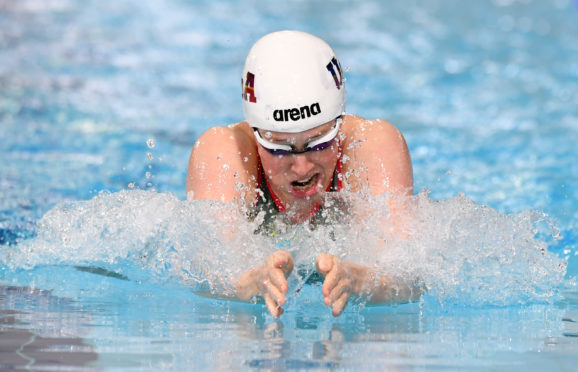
301, 165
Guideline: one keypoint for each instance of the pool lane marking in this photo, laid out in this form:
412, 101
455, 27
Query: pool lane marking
20, 352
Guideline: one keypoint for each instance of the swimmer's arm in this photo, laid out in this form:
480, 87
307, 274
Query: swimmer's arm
223, 166
379, 289
380, 162
345, 280
262, 284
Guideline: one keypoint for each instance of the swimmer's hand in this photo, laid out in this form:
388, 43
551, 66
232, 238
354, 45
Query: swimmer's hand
269, 281
345, 279
342, 279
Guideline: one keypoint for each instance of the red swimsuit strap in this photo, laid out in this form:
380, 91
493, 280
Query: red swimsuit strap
338, 171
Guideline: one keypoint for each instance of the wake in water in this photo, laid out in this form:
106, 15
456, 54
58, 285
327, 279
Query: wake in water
461, 252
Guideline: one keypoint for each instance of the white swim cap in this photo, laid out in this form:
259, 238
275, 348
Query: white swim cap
292, 82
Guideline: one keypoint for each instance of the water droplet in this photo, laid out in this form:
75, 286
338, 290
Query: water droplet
151, 143
149, 156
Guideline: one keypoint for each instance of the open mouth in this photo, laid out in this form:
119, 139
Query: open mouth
306, 187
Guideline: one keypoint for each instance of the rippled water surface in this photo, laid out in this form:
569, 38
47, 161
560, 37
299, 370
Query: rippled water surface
100, 103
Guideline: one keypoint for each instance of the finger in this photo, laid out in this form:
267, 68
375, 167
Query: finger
340, 304
283, 261
278, 279
341, 287
288, 266
331, 280
279, 258
274, 292
324, 263
271, 305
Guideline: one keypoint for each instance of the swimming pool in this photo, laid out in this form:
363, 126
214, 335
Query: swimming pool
100, 103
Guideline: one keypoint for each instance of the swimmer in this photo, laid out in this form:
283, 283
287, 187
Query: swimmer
289, 154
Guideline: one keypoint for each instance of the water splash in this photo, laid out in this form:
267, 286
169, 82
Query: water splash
474, 254
460, 251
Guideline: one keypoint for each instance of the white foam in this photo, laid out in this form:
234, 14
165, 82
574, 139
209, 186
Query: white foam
460, 251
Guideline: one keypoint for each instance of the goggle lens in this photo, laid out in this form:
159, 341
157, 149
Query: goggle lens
318, 144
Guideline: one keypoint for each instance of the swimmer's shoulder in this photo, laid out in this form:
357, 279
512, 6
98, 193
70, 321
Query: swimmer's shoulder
239, 134
378, 148
234, 145
228, 142
224, 157
358, 130
244, 133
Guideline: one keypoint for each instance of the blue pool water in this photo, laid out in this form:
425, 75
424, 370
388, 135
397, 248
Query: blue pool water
100, 103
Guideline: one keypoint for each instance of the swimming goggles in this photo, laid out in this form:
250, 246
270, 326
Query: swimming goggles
318, 144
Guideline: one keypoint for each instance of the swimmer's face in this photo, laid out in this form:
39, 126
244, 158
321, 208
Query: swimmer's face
300, 179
